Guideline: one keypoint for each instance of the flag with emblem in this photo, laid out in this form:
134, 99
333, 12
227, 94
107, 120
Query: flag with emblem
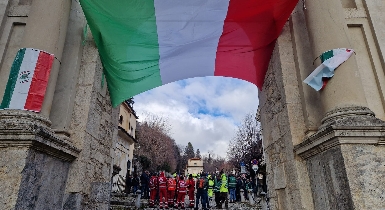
330, 61
28, 79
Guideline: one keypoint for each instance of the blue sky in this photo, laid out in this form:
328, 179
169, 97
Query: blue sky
204, 111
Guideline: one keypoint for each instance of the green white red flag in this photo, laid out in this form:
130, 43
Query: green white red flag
28, 80
330, 61
147, 43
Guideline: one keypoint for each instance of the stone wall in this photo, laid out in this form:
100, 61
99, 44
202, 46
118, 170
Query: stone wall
329, 181
93, 129
364, 165
34, 161
43, 182
283, 125
11, 166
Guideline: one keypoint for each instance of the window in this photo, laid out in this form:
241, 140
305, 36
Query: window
120, 119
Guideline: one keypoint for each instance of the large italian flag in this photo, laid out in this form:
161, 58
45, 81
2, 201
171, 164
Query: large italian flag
146, 43
28, 80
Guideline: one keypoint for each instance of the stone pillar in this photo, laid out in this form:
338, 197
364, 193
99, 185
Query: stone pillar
35, 160
342, 156
45, 30
328, 30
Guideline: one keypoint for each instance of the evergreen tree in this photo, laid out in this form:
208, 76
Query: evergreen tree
189, 151
187, 154
198, 154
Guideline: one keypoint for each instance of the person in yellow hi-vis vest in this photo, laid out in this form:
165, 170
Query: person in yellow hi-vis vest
210, 191
224, 190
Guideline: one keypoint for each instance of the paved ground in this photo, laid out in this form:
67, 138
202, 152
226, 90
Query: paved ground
129, 203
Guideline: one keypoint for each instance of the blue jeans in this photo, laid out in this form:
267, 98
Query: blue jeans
201, 194
232, 194
134, 189
144, 191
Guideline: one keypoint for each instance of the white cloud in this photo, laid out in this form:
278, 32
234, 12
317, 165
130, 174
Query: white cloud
203, 111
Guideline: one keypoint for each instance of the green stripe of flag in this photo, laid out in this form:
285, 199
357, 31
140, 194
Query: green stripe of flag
12, 78
129, 47
326, 55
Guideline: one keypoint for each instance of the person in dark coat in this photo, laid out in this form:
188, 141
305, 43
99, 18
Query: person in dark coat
135, 183
144, 181
238, 189
128, 184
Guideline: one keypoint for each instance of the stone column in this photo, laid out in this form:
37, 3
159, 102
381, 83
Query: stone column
328, 30
45, 30
343, 156
36, 160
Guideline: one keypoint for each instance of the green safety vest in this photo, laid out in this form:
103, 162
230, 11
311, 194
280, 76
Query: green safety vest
217, 185
232, 182
224, 187
211, 184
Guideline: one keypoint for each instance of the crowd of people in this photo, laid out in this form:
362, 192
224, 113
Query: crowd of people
170, 191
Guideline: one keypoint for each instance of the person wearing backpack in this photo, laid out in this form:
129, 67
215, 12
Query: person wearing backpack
232, 187
201, 186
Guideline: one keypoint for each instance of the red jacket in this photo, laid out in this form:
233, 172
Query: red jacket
171, 183
182, 186
153, 183
162, 182
190, 184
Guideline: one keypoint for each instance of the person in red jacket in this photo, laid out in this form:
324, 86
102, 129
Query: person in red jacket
182, 189
162, 180
153, 185
171, 186
191, 188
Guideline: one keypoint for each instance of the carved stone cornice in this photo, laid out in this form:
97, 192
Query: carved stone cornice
13, 118
350, 125
348, 116
22, 129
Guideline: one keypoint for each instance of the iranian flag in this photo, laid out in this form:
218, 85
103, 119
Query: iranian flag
147, 43
28, 80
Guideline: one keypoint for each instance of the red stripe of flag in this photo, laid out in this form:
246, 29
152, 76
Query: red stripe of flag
39, 82
249, 33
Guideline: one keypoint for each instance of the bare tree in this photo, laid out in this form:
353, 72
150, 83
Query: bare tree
158, 150
246, 145
157, 122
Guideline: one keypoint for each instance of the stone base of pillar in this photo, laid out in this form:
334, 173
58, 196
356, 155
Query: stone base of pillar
345, 160
34, 161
